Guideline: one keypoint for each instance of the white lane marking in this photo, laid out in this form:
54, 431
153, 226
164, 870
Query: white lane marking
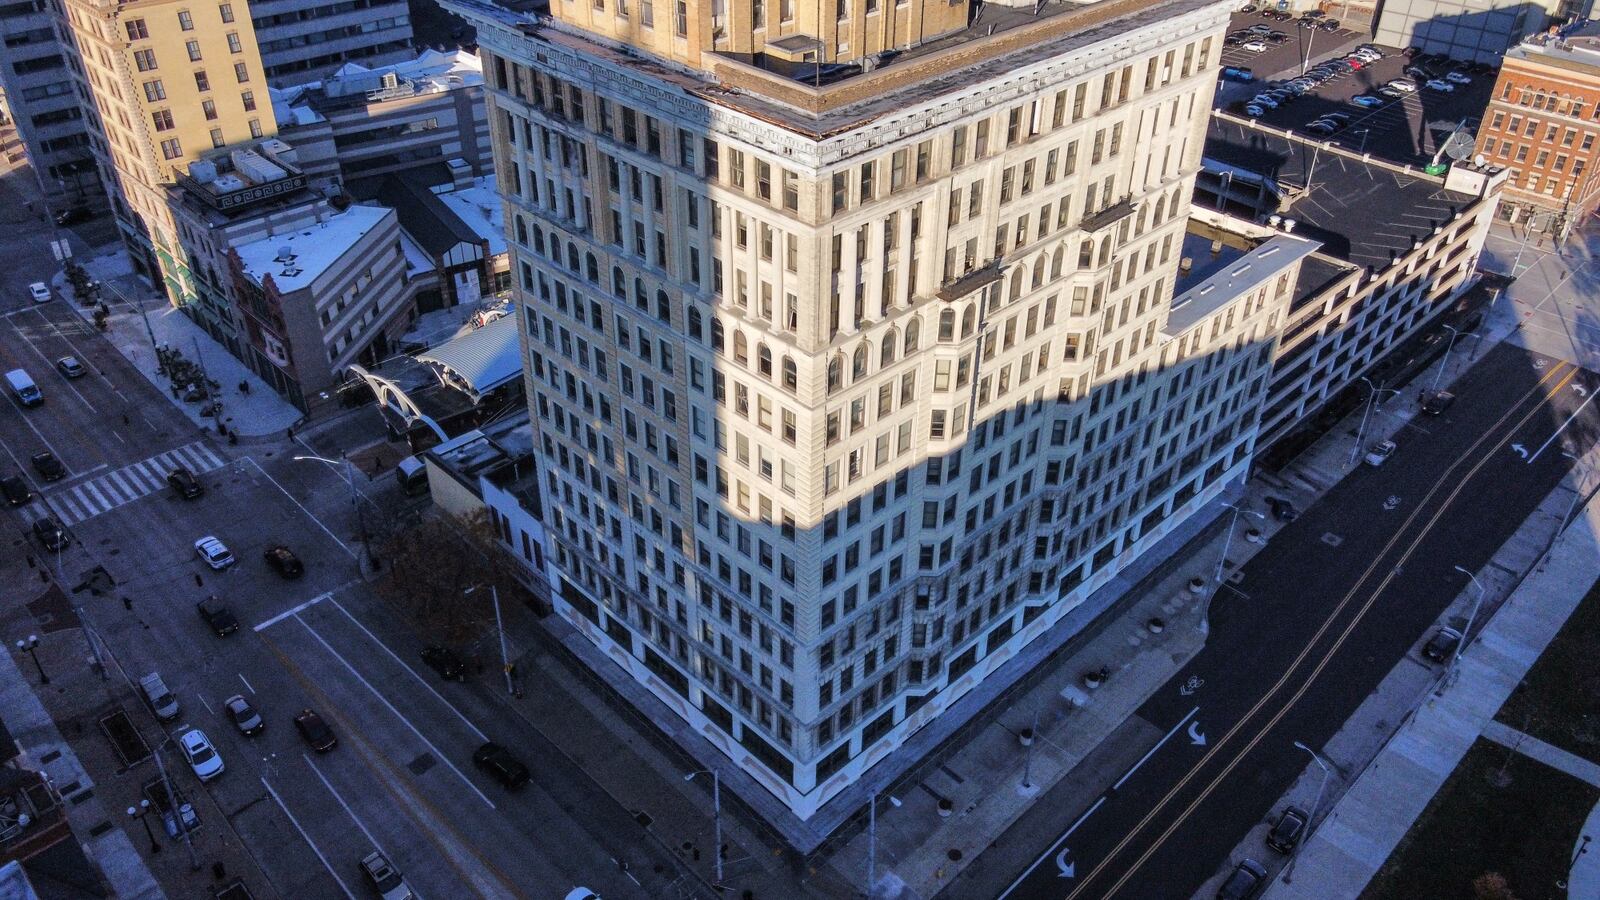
1146, 757
83, 329
51, 364
286, 614
206, 705
343, 805
307, 838
296, 502
1557, 433
28, 421
248, 686
1052, 851
390, 706
414, 673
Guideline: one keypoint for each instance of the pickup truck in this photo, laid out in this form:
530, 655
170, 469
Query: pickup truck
161, 699
217, 616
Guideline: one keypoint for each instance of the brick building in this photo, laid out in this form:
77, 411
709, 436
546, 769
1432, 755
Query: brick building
1543, 123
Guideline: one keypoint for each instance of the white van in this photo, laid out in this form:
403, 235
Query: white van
27, 392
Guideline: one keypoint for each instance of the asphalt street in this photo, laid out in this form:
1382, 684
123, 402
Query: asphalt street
1299, 640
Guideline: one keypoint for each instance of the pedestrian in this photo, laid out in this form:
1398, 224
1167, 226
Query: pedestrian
127, 603
198, 582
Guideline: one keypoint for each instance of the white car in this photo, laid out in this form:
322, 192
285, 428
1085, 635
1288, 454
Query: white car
1382, 450
1402, 85
1264, 100
1255, 110
581, 893
214, 552
1458, 77
203, 758
1254, 46
1440, 85
41, 293
244, 716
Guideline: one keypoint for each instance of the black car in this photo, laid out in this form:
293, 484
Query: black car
217, 616
16, 490
72, 215
183, 481
1282, 509
1329, 25
48, 466
51, 533
501, 765
445, 661
1243, 882
1287, 831
1434, 403
315, 731
1442, 645
284, 562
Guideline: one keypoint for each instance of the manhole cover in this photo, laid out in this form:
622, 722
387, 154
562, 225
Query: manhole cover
1331, 539
643, 818
954, 854
421, 764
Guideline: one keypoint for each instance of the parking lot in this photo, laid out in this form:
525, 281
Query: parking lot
1407, 129
1279, 59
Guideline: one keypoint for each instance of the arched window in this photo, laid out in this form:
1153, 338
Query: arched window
969, 320
741, 349
641, 297
619, 283
887, 348
591, 268
791, 374
663, 307
1086, 254
947, 325
912, 329
694, 325
716, 334
538, 240
835, 374
1105, 250
764, 360
1016, 284
858, 365
1161, 210
522, 230
1038, 271
1057, 260
572, 258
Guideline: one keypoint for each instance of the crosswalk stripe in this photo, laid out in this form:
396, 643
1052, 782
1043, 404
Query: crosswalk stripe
91, 497
130, 483
65, 511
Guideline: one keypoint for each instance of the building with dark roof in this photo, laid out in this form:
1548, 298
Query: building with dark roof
462, 259
1399, 247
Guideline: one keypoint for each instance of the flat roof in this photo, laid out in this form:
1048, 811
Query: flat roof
1361, 212
478, 207
312, 248
1239, 266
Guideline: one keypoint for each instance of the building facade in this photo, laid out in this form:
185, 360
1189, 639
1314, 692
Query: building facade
170, 81
301, 41
49, 103
852, 373
1542, 124
1470, 30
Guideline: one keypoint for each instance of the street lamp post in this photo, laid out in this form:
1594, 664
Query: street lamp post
716, 813
365, 559
1445, 362
505, 661
1288, 871
1361, 433
872, 839
1228, 543
30, 646
141, 812
1471, 617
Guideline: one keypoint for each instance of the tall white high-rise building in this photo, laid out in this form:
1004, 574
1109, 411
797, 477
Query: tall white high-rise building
861, 345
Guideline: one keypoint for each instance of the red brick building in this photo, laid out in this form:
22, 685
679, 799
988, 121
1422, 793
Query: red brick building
1543, 123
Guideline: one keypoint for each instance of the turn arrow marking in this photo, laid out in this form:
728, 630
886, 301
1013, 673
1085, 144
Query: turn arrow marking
1520, 450
1195, 736
1067, 869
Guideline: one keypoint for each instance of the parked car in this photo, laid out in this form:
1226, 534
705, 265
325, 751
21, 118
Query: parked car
1256, 46
1321, 128
1442, 645
183, 481
1367, 100
384, 877
1287, 831
284, 562
1282, 510
39, 292
1440, 85
48, 467
1391, 93
1329, 25
498, 762
1260, 28
1403, 86
1378, 453
315, 731
1265, 100
16, 490
160, 697
51, 534
214, 552
1243, 882
1232, 40
1434, 403
1255, 110
1276, 37
445, 661
1458, 77
217, 616
244, 716
70, 367
1238, 73
203, 758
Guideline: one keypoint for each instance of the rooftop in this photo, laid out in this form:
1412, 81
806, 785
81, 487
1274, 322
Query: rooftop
432, 72
297, 258
1238, 265
1577, 45
480, 360
232, 181
434, 224
479, 208
1362, 212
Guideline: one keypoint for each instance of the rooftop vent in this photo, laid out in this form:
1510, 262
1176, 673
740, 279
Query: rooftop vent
1288, 225
1273, 220
291, 271
285, 254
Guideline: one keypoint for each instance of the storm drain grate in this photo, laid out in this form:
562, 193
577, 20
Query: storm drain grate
1331, 539
421, 764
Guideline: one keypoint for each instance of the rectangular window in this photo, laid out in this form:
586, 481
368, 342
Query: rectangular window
248, 98
234, 46
162, 119
136, 30
185, 20
154, 90
171, 149
680, 18
201, 81
255, 128
194, 50
145, 60
226, 10
241, 72
216, 136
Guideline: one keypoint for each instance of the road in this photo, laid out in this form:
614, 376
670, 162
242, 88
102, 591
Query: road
1320, 615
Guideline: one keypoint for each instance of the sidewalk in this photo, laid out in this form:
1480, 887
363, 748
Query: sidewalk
1358, 835
139, 320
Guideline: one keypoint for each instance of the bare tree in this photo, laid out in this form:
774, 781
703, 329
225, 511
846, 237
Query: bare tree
1492, 886
431, 566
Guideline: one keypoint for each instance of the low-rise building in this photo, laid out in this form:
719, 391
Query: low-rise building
1542, 124
301, 40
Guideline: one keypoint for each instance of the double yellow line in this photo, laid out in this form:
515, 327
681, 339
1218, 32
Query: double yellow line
1447, 477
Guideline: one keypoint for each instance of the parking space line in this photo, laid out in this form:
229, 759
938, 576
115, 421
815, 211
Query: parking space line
414, 674
307, 838
345, 806
51, 365
284, 615
79, 353
390, 706
248, 686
